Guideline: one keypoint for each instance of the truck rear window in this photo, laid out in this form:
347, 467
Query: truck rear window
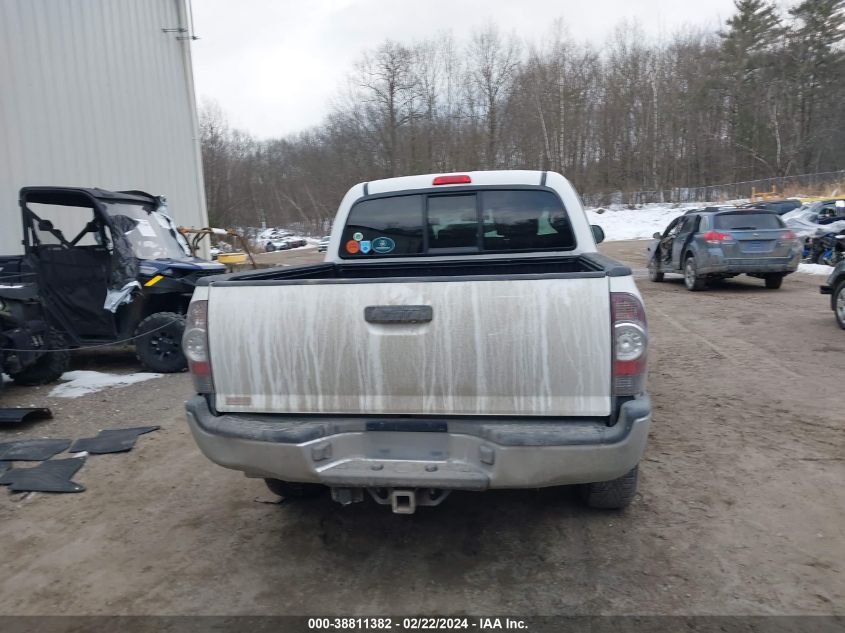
489, 221
747, 221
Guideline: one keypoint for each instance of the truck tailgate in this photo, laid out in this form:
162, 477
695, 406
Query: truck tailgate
525, 347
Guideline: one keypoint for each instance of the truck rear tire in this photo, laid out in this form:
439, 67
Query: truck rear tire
773, 281
611, 495
49, 367
294, 490
159, 342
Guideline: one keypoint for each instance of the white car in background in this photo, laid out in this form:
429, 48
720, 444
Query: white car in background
277, 244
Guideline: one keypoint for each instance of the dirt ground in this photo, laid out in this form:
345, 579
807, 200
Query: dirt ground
740, 510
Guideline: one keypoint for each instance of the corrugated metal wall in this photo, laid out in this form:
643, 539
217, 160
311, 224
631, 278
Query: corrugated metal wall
93, 93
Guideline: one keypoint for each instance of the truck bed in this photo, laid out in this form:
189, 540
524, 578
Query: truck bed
583, 266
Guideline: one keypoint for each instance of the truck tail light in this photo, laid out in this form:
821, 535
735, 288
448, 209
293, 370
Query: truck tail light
789, 235
195, 346
453, 179
715, 237
630, 344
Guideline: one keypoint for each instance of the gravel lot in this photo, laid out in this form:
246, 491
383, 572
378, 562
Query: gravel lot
740, 510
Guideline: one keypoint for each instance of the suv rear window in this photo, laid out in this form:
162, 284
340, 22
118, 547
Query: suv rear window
488, 221
747, 221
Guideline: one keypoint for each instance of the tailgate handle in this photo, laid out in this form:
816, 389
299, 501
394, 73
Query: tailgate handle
398, 314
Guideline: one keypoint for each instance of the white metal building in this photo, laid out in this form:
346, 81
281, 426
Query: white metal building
98, 93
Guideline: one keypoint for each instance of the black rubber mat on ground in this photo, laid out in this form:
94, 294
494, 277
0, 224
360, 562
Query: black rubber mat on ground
50, 476
19, 415
111, 440
31, 450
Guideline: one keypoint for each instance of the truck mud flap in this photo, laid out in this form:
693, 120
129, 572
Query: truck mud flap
21, 415
52, 476
31, 450
111, 440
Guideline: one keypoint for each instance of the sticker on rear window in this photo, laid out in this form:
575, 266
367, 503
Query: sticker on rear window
366, 246
383, 245
352, 247
358, 236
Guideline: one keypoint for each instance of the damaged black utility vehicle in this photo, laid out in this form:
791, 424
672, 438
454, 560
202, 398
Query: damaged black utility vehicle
104, 267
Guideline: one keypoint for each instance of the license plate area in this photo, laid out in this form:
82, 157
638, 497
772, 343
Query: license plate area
413, 445
757, 246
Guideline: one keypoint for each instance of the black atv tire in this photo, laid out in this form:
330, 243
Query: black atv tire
159, 343
773, 281
50, 366
293, 489
611, 495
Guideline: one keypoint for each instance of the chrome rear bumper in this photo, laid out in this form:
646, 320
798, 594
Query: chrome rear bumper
433, 453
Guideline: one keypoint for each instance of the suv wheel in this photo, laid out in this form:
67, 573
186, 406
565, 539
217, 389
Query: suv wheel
611, 495
654, 273
269, 248
839, 304
773, 281
692, 280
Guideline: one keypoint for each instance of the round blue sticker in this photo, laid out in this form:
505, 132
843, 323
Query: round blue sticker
383, 245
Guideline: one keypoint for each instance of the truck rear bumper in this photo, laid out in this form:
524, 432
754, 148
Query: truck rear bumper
434, 453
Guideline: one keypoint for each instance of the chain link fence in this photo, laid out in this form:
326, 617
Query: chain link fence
813, 183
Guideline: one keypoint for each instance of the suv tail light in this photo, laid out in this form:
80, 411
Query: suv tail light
630, 344
195, 346
714, 237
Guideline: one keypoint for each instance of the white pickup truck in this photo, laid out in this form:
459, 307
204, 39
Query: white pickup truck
462, 334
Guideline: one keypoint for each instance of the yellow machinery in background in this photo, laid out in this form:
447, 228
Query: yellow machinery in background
763, 196
230, 259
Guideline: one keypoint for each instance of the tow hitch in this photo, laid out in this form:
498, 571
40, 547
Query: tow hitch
403, 501
400, 500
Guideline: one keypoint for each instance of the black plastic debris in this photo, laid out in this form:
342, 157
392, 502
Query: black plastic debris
31, 450
50, 476
21, 414
111, 440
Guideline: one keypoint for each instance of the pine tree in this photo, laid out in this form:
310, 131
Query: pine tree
818, 64
747, 61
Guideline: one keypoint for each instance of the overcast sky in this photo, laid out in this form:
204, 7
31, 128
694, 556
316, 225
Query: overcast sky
275, 65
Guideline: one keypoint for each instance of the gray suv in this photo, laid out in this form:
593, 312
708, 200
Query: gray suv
722, 242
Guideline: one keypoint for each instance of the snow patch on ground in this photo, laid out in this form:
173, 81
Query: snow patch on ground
635, 224
82, 382
815, 269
